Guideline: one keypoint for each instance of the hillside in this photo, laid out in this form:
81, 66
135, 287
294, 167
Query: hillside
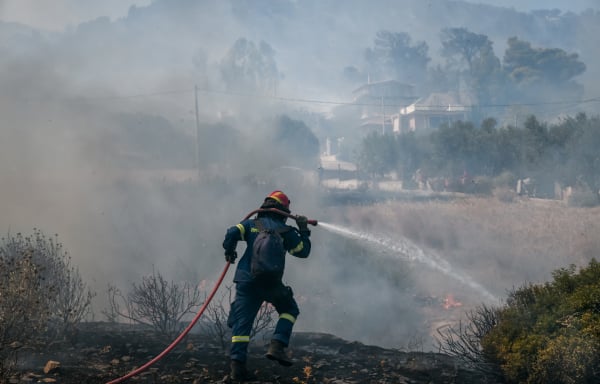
470, 250
503, 244
499, 245
105, 352
139, 140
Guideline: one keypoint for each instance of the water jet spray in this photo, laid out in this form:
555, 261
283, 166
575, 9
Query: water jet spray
409, 251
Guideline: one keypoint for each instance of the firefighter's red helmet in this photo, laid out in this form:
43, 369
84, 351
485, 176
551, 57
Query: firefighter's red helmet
281, 198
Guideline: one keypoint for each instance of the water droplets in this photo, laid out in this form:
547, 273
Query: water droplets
404, 248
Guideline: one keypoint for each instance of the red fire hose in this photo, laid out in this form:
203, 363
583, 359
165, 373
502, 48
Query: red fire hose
282, 213
179, 338
202, 309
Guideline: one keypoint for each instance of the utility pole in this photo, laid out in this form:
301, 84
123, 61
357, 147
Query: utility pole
197, 133
383, 114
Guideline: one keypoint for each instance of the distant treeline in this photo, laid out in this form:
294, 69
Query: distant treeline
567, 153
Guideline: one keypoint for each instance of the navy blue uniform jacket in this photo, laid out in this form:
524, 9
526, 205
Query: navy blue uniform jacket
295, 242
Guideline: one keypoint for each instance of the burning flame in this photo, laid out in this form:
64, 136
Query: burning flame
449, 302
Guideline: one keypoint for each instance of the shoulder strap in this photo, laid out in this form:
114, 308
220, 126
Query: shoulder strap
259, 224
261, 227
283, 229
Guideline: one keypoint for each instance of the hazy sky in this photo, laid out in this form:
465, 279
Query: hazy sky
528, 5
58, 14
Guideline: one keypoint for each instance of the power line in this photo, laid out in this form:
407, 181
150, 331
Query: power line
374, 104
311, 101
134, 96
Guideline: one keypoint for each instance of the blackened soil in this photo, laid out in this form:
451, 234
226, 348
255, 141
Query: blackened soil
104, 352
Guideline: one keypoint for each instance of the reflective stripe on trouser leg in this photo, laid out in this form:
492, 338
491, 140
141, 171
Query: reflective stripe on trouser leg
283, 329
247, 303
239, 348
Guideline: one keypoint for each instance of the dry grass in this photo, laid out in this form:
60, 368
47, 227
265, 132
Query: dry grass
500, 245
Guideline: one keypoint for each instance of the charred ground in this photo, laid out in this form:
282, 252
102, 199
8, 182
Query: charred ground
497, 243
103, 352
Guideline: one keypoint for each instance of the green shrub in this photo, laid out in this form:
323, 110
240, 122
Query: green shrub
544, 334
570, 358
549, 333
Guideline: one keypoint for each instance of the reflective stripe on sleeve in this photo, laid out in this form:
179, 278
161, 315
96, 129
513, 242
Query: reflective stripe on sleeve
240, 339
242, 230
298, 248
288, 317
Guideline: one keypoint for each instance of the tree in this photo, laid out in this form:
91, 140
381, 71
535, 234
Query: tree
542, 70
353, 75
487, 153
296, 141
461, 147
454, 148
440, 79
472, 55
535, 143
377, 154
394, 55
409, 155
526, 64
247, 66
462, 47
151, 141
584, 164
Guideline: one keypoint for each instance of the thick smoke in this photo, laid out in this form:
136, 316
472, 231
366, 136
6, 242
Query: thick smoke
98, 140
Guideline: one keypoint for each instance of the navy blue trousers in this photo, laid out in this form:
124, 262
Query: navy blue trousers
249, 296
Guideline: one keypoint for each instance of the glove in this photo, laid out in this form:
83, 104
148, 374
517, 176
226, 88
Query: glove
302, 222
230, 256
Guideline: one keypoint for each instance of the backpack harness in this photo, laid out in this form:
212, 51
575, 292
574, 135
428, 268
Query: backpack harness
268, 253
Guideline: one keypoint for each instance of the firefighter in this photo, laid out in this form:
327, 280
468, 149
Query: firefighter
251, 292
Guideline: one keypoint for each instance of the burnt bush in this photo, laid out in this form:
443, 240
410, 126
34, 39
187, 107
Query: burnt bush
464, 340
155, 302
42, 295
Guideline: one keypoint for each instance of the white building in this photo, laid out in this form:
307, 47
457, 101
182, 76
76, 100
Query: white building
430, 112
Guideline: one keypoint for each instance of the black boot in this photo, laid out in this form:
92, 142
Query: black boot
277, 353
239, 373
